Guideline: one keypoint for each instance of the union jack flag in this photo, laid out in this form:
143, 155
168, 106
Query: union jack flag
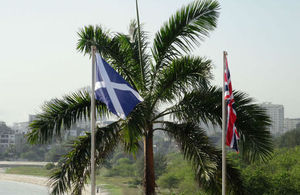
232, 135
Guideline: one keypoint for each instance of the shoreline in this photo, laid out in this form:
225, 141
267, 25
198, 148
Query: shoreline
42, 181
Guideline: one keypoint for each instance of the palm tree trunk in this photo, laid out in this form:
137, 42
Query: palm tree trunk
149, 179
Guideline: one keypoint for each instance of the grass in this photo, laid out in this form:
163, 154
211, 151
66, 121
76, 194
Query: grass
117, 185
28, 170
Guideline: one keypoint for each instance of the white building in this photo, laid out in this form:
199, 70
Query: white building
276, 114
31, 117
291, 123
7, 137
20, 128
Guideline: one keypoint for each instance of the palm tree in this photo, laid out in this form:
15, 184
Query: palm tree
173, 83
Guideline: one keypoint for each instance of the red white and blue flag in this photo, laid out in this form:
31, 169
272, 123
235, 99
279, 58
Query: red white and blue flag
232, 135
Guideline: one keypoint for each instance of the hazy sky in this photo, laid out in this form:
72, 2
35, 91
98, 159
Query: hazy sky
39, 61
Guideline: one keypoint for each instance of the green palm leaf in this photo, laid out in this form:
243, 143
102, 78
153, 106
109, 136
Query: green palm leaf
73, 169
203, 105
60, 114
204, 157
183, 75
185, 28
120, 50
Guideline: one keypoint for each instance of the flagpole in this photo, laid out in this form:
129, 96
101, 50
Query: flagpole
93, 116
139, 39
223, 129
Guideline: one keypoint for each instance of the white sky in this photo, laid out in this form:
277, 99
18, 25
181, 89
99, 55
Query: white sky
39, 61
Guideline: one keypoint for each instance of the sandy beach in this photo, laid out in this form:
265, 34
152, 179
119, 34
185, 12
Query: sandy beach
42, 181
24, 178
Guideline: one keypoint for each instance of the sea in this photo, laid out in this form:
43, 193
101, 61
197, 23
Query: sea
19, 188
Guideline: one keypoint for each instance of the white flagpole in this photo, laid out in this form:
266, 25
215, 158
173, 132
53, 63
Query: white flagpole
223, 129
93, 116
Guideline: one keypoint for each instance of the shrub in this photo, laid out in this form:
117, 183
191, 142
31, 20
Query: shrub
49, 166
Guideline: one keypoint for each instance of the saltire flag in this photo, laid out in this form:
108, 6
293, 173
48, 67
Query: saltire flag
232, 135
113, 90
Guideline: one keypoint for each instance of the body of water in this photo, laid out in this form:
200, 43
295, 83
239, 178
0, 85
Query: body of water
18, 188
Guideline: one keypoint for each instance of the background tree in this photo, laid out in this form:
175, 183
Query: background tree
280, 175
168, 75
290, 139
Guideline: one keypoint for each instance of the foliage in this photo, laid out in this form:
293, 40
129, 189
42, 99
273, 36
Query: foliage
79, 157
290, 139
27, 152
55, 153
124, 168
49, 166
160, 164
179, 176
168, 181
9, 153
129, 167
280, 175
31, 155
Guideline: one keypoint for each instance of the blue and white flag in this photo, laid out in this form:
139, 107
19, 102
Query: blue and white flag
113, 90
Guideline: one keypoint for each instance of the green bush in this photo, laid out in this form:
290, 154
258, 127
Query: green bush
49, 166
179, 177
278, 176
168, 181
124, 168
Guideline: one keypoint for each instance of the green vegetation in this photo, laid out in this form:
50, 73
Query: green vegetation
118, 185
26, 152
40, 152
178, 177
280, 175
29, 170
49, 166
289, 140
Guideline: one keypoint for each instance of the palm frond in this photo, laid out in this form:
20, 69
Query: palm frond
203, 106
73, 171
59, 114
134, 127
185, 28
253, 123
90, 35
109, 47
183, 75
134, 39
120, 50
204, 157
